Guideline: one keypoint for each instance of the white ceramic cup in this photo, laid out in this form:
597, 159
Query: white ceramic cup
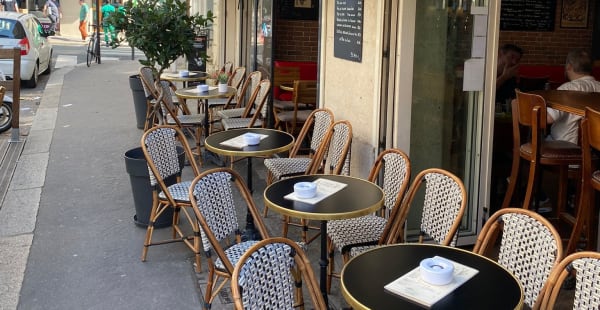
252, 138
305, 189
203, 88
184, 73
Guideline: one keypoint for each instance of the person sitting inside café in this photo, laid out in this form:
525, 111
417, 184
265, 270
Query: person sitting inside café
578, 70
509, 58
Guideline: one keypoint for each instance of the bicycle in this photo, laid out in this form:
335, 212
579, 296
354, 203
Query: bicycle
93, 49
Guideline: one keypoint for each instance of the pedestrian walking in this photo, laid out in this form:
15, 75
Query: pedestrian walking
83, 18
109, 29
51, 11
10, 5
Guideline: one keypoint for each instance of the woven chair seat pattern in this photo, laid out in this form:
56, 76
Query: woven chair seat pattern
442, 201
179, 191
192, 119
234, 253
163, 150
528, 250
232, 113
234, 123
266, 279
281, 167
358, 230
218, 208
587, 287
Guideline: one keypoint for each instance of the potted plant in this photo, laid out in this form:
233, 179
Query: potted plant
223, 78
162, 29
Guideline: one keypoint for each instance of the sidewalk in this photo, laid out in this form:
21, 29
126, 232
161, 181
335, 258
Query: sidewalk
67, 238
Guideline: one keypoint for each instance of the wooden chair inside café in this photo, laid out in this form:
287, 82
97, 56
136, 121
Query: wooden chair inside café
304, 100
529, 114
586, 216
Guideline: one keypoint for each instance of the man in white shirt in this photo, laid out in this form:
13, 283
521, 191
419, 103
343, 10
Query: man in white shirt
578, 69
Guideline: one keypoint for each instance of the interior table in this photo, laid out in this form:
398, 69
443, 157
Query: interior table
359, 197
570, 101
363, 279
276, 142
194, 76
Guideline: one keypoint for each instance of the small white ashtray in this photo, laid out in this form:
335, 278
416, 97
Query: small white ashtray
251, 138
305, 189
203, 88
184, 73
437, 270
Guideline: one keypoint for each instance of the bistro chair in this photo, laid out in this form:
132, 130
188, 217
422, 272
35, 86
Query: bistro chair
151, 93
585, 220
529, 113
304, 100
444, 204
159, 145
333, 157
213, 195
271, 274
255, 110
586, 266
227, 67
236, 109
177, 115
214, 105
530, 248
316, 125
392, 168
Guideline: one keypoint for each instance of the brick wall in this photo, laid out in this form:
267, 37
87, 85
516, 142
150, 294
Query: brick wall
296, 40
551, 47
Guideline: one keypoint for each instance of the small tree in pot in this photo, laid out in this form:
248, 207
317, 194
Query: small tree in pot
161, 29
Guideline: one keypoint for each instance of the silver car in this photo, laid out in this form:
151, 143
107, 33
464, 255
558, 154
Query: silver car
26, 32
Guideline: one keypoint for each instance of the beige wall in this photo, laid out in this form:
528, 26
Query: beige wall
69, 24
351, 89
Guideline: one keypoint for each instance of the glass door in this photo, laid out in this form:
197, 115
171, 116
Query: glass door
446, 122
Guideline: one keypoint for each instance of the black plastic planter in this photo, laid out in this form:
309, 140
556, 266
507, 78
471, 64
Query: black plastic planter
139, 177
139, 100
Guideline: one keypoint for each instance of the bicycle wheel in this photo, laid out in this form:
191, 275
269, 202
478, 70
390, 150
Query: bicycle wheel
91, 53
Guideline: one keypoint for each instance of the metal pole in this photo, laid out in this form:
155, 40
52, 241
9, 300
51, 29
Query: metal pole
98, 3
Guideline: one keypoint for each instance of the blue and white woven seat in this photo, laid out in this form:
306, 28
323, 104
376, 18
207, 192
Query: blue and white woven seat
392, 166
213, 203
159, 145
270, 275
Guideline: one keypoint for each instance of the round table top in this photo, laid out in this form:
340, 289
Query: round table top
213, 92
193, 77
364, 276
359, 197
276, 142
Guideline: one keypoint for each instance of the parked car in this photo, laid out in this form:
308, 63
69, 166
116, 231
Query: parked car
45, 21
26, 32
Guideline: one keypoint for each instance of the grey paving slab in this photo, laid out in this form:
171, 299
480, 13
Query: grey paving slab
38, 141
14, 251
30, 171
45, 119
19, 211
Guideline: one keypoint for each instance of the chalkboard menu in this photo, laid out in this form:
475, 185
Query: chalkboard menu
303, 10
527, 15
348, 30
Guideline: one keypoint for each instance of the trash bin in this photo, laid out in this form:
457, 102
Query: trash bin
139, 177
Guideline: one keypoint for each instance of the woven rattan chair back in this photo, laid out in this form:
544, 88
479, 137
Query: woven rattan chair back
212, 197
267, 275
333, 156
258, 102
159, 145
227, 67
249, 85
586, 266
444, 203
147, 78
167, 106
530, 247
392, 170
318, 122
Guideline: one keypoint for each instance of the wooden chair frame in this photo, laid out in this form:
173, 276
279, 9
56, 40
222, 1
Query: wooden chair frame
305, 92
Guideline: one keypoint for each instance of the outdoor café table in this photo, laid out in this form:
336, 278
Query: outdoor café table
570, 101
212, 93
194, 76
275, 142
359, 197
363, 279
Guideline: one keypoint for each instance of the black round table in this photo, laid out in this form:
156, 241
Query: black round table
359, 197
364, 276
276, 142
